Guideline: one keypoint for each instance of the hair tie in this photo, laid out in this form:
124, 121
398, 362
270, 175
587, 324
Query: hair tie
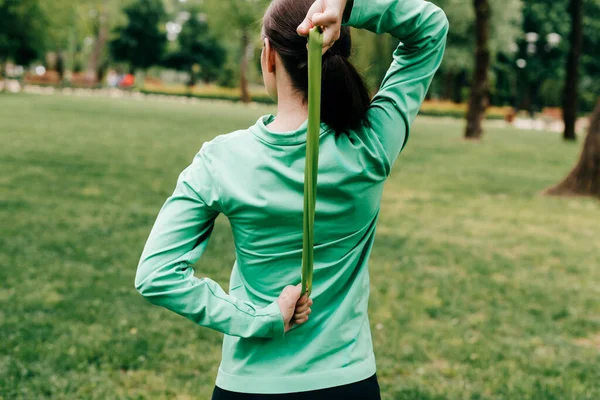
332, 52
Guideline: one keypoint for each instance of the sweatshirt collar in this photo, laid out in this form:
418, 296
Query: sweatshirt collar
298, 136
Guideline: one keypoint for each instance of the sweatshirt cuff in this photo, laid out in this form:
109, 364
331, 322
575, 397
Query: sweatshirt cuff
352, 12
273, 314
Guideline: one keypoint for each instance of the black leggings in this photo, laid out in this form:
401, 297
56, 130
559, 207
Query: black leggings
363, 390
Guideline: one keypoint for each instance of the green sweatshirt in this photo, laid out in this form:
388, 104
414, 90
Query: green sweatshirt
255, 178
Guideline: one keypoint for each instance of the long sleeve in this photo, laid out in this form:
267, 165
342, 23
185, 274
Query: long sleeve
421, 28
178, 239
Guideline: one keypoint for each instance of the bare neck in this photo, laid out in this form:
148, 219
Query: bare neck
292, 112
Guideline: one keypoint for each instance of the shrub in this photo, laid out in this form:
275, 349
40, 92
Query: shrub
454, 110
208, 92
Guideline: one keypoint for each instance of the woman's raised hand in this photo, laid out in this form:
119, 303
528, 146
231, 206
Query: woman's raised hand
294, 309
328, 15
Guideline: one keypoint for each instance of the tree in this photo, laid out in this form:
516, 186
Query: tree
197, 47
141, 42
590, 67
372, 55
71, 23
22, 26
541, 52
479, 100
572, 80
239, 18
244, 50
101, 37
454, 75
584, 179
59, 14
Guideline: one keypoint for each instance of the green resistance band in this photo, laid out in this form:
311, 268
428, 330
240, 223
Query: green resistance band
315, 57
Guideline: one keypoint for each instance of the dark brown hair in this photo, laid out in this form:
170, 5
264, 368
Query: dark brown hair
344, 97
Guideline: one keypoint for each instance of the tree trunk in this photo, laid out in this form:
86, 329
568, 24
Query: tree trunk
529, 93
99, 43
60, 64
70, 58
572, 79
245, 93
193, 79
459, 82
585, 177
3, 76
479, 100
448, 86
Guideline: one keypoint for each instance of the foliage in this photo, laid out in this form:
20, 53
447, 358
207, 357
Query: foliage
505, 26
429, 108
454, 110
238, 22
229, 17
229, 75
22, 30
68, 18
211, 93
372, 55
197, 46
590, 82
141, 42
67, 27
546, 63
475, 277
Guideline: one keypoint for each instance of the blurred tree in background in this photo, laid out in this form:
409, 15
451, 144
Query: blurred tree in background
542, 51
528, 45
199, 52
94, 71
77, 33
372, 55
453, 79
571, 84
23, 26
590, 58
480, 96
239, 19
141, 41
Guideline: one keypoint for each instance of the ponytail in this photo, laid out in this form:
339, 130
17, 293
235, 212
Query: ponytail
344, 95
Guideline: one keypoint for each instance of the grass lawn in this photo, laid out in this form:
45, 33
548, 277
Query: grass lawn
481, 287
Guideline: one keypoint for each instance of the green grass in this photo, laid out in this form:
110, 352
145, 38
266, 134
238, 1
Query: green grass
481, 287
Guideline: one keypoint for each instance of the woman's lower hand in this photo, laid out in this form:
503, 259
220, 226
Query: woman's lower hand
302, 310
294, 309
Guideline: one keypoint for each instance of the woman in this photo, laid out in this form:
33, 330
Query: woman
255, 177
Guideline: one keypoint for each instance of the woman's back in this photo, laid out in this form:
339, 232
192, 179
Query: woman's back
261, 180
